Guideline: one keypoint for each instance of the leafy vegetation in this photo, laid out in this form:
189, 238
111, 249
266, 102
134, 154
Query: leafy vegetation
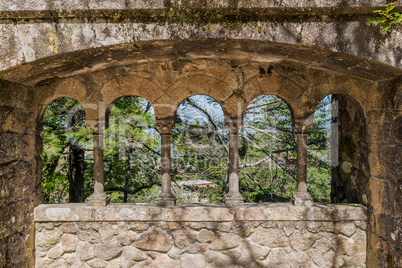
386, 18
199, 151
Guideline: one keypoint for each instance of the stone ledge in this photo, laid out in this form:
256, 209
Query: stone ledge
145, 4
198, 213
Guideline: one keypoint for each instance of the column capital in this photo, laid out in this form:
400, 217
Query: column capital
164, 126
95, 126
233, 125
302, 125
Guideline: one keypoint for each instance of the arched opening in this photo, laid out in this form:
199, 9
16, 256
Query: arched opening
132, 152
319, 150
350, 167
66, 158
337, 152
268, 151
199, 151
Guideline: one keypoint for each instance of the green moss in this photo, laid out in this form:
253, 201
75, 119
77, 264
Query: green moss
390, 260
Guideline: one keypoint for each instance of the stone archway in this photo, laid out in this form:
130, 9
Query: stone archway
229, 71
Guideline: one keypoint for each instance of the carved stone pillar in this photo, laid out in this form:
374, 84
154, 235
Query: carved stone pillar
165, 198
233, 197
302, 197
99, 197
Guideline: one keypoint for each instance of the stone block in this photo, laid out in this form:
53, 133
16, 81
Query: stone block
134, 254
324, 242
183, 238
71, 258
107, 251
175, 252
346, 228
252, 251
154, 239
97, 263
55, 252
68, 242
217, 259
84, 251
205, 236
126, 238
46, 239
192, 260
301, 241
270, 237
277, 257
299, 259
225, 241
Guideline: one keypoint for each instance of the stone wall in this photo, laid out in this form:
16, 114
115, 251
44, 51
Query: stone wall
35, 29
165, 73
264, 235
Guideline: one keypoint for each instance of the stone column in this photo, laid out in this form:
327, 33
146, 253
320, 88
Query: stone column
165, 198
302, 197
233, 197
99, 197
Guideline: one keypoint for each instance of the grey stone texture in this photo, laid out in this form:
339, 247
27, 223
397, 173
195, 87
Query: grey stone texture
100, 54
312, 243
53, 27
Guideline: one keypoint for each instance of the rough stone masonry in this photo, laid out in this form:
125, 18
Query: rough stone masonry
264, 235
165, 51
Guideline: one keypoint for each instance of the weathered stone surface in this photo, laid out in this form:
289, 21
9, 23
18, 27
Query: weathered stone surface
183, 238
154, 239
252, 251
84, 251
277, 257
346, 228
97, 263
299, 259
107, 251
270, 237
71, 258
55, 252
164, 261
126, 238
301, 241
134, 254
225, 241
217, 259
205, 236
192, 260
345, 74
68, 242
324, 242
47, 239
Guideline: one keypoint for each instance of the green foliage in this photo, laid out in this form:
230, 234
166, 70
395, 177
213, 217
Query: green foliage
200, 148
199, 151
63, 123
268, 152
131, 152
386, 18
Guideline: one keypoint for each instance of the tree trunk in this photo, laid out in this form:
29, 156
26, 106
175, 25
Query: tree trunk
76, 173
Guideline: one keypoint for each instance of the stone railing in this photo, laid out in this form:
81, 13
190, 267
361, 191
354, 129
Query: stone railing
139, 235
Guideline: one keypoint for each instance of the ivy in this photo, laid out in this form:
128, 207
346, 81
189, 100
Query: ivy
387, 18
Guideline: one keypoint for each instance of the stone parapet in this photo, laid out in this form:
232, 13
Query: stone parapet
198, 213
254, 235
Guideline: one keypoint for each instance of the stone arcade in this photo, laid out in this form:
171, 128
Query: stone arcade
63, 57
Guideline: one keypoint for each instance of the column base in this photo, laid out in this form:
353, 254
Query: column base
233, 200
166, 200
302, 199
98, 200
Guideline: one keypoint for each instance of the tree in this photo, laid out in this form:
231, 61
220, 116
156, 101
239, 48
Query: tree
132, 152
199, 150
64, 138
